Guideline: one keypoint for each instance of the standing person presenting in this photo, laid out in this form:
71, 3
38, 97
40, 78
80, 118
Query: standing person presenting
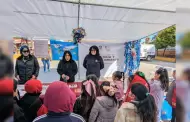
67, 68
27, 66
93, 62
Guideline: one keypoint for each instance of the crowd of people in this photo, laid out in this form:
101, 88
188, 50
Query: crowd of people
105, 102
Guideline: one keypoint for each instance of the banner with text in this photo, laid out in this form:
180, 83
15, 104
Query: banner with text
112, 54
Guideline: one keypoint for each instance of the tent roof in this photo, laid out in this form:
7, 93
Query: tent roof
114, 20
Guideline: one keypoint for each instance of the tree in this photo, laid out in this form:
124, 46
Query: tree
166, 38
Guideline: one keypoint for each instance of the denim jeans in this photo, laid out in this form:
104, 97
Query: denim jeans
46, 62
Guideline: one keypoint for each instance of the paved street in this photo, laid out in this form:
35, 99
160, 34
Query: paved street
149, 67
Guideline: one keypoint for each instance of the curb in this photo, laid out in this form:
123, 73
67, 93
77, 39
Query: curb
173, 60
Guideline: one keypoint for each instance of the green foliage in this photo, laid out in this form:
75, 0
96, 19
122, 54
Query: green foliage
185, 41
166, 38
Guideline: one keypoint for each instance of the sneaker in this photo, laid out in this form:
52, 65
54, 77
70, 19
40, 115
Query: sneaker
48, 70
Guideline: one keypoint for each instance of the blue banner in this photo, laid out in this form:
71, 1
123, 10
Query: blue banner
59, 47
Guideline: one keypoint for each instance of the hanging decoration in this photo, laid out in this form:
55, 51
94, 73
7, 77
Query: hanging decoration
78, 34
132, 56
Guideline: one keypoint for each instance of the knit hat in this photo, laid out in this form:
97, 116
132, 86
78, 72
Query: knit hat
22, 48
6, 86
33, 86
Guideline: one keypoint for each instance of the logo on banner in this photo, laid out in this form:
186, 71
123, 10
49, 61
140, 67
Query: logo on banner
104, 48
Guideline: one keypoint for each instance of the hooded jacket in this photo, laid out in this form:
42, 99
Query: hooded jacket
29, 102
25, 70
93, 63
104, 110
68, 68
136, 79
59, 100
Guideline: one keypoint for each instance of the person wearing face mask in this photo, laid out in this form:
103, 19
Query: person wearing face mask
27, 66
93, 62
67, 68
106, 106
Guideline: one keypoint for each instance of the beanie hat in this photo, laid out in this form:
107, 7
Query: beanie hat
22, 48
33, 86
6, 86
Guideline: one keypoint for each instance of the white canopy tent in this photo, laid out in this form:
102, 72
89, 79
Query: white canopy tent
113, 20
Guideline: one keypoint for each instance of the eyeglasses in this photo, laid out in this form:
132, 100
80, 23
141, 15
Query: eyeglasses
93, 50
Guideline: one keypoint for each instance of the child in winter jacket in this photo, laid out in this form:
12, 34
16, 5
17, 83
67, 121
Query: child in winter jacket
30, 102
158, 86
142, 109
138, 77
106, 106
84, 103
118, 84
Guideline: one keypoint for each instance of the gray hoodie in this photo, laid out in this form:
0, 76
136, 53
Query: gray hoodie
104, 110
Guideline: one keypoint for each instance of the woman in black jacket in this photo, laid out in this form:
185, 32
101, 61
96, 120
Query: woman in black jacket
27, 66
67, 68
93, 62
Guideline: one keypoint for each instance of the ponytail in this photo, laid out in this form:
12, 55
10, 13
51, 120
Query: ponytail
147, 109
145, 103
164, 79
167, 79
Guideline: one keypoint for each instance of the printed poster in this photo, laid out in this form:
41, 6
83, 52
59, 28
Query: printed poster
58, 48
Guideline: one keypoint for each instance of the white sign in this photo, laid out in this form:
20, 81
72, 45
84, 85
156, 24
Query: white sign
41, 48
112, 54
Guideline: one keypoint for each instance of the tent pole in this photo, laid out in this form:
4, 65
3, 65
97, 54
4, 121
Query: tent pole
79, 13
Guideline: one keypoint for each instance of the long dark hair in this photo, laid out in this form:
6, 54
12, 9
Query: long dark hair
104, 93
146, 106
67, 52
164, 79
95, 48
95, 80
86, 100
142, 75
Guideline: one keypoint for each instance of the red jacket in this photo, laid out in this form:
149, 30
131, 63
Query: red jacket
174, 98
136, 79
